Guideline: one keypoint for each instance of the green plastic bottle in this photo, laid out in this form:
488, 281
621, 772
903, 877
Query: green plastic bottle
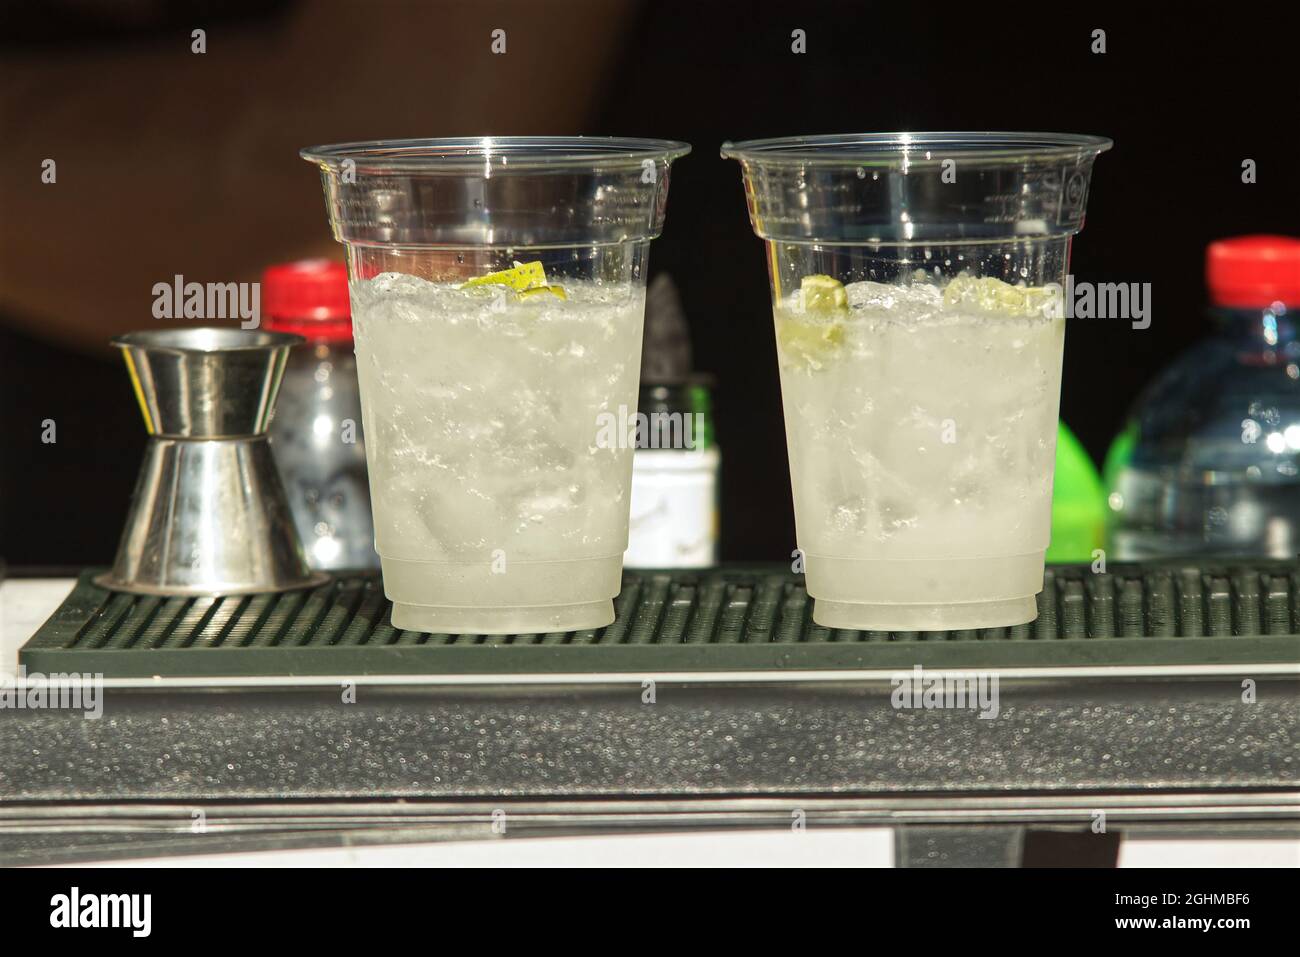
1078, 503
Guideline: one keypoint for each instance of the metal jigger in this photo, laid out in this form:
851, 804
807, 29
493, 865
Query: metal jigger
209, 515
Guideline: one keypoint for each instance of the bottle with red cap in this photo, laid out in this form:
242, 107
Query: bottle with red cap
316, 432
1209, 462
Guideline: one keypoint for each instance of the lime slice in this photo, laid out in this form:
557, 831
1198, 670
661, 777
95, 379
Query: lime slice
824, 295
522, 277
540, 292
994, 295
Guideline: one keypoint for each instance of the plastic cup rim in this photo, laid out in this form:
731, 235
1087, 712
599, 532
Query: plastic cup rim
497, 154
904, 149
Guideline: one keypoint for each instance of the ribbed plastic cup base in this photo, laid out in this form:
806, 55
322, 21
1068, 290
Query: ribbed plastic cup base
520, 620
856, 616
513, 598
924, 594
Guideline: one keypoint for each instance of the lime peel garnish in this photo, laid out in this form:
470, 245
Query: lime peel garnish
539, 291
521, 277
525, 280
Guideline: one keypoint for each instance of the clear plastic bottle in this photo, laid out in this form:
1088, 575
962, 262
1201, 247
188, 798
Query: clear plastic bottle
316, 431
1209, 462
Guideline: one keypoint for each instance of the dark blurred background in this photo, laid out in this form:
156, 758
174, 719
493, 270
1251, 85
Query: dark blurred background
170, 162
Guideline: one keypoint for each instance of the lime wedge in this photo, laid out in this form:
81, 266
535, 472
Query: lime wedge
522, 277
824, 295
994, 295
812, 334
807, 342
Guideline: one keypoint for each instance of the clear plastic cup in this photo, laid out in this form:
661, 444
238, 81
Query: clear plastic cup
496, 407
916, 285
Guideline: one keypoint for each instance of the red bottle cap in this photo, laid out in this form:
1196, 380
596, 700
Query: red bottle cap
1253, 272
309, 298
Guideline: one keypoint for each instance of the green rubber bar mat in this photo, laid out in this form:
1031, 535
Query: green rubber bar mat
721, 619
